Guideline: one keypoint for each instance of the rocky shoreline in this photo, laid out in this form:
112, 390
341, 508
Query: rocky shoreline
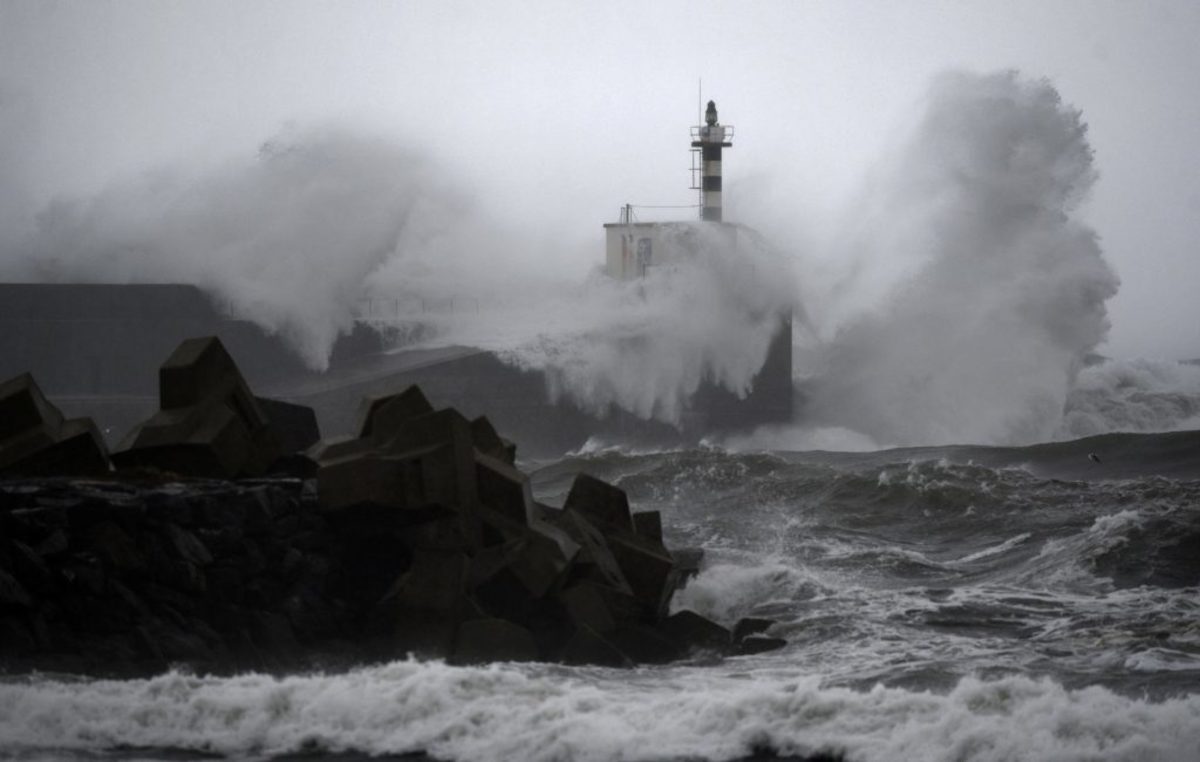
221, 537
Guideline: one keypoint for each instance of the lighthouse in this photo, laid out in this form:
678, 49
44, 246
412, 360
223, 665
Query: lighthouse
708, 139
635, 248
639, 249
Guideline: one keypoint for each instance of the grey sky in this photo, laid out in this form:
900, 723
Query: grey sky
555, 113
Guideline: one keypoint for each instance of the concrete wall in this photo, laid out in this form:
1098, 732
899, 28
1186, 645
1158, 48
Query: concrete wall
633, 249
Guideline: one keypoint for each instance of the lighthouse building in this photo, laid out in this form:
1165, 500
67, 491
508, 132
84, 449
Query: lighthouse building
638, 249
634, 248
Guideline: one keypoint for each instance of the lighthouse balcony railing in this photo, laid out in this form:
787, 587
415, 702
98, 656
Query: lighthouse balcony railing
720, 133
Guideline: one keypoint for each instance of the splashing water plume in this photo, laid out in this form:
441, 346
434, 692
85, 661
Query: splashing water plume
973, 292
646, 346
969, 296
286, 239
318, 220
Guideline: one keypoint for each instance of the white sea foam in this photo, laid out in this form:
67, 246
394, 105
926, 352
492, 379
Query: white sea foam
993, 550
505, 712
1065, 563
800, 437
646, 346
1133, 395
727, 592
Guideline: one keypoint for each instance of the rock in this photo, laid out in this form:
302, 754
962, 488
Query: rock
28, 421
187, 546
295, 464
208, 424
588, 647
598, 607
84, 514
757, 644
748, 626
35, 526
435, 583
416, 536
78, 451
335, 448
491, 560
200, 369
368, 564
595, 558
382, 416
114, 547
513, 579
30, 569
15, 636
272, 632
295, 426
129, 599
488, 442
644, 644
694, 632
442, 533
440, 428
501, 594
163, 508
504, 489
85, 575
53, 544
36, 441
498, 529
12, 593
421, 613
649, 570
488, 640
544, 558
448, 475
176, 643
392, 481
601, 503
687, 564
648, 526
423, 635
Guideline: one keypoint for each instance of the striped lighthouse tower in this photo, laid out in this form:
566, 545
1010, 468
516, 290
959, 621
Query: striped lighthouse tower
708, 139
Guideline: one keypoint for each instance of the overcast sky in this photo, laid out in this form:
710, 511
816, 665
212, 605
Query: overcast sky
556, 113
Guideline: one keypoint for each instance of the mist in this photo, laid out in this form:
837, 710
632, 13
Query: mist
955, 299
285, 238
322, 226
646, 346
973, 292
957, 261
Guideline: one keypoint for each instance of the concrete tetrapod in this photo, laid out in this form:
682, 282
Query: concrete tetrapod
209, 423
416, 534
35, 440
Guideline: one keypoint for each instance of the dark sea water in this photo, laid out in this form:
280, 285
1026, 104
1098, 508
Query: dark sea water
939, 604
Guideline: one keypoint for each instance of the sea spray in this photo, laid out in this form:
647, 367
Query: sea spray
298, 236
969, 298
646, 346
285, 238
1107, 396
1132, 395
972, 291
